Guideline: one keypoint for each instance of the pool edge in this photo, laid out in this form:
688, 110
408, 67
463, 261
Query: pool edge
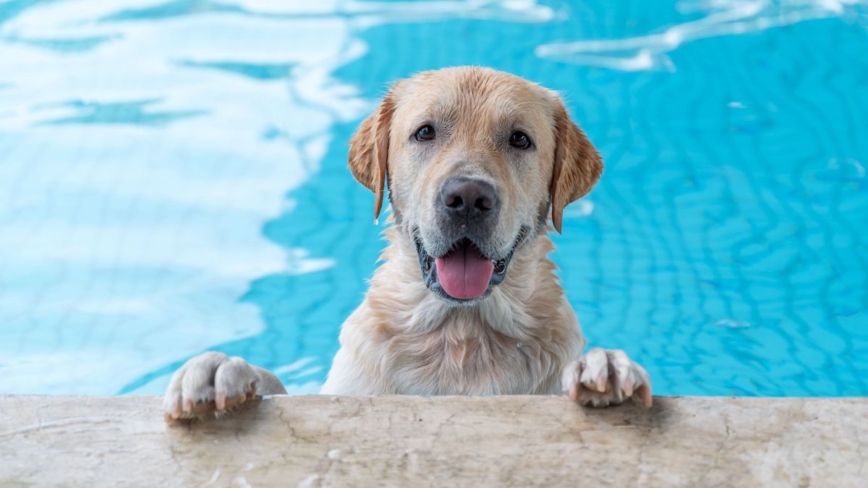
416, 441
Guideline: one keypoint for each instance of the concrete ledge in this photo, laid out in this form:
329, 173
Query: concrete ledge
454, 441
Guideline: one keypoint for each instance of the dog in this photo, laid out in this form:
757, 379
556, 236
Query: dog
466, 301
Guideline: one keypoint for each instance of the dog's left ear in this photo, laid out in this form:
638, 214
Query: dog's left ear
369, 151
577, 165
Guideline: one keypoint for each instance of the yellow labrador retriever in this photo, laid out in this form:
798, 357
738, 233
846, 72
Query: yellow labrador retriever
466, 301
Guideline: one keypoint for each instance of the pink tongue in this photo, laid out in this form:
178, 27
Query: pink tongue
464, 273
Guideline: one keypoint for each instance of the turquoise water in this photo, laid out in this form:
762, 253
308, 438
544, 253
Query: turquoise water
172, 180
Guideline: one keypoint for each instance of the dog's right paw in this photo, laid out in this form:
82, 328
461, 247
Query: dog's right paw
209, 384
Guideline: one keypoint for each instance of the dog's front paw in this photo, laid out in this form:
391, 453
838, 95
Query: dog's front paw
211, 383
602, 378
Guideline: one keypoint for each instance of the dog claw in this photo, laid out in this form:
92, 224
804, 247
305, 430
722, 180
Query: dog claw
574, 392
601, 383
645, 393
628, 387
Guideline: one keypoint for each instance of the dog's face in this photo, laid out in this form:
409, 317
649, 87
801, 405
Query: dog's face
474, 159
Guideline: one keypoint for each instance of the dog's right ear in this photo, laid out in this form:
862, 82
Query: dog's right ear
369, 151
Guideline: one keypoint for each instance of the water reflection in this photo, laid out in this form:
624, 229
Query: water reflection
172, 179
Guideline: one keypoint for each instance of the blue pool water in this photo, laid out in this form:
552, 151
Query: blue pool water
172, 180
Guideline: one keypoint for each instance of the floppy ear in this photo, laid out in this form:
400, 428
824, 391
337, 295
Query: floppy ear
369, 151
577, 165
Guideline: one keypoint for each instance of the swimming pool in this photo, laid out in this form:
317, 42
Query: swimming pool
173, 180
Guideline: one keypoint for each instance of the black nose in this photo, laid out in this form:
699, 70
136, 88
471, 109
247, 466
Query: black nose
468, 199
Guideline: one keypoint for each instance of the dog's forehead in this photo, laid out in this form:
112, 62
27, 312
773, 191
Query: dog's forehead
454, 91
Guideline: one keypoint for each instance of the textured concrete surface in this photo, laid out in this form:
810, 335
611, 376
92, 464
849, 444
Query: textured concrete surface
445, 441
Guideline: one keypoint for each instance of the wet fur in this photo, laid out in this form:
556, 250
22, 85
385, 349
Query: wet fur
405, 340
523, 337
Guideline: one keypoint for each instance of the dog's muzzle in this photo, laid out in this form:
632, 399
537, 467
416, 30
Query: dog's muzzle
467, 213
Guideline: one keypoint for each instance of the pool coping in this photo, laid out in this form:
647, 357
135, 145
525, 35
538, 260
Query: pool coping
439, 441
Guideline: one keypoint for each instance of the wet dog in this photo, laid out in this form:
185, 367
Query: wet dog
466, 302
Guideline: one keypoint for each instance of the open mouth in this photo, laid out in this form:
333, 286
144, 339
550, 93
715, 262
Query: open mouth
463, 273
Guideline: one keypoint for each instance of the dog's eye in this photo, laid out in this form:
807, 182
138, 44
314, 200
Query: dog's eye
519, 140
425, 133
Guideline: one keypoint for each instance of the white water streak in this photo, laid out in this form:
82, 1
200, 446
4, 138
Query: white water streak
723, 18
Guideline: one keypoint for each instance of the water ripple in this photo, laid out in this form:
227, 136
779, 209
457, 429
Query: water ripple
722, 18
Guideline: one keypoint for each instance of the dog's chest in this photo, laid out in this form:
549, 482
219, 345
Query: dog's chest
462, 358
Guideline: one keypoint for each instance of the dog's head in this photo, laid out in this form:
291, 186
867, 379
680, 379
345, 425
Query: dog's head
474, 159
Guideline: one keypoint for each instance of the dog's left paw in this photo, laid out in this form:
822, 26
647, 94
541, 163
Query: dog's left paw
605, 377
